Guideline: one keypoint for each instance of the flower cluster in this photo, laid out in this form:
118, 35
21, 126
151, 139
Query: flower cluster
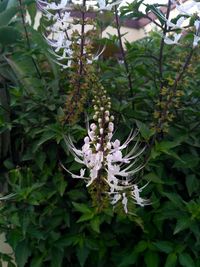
188, 18
104, 160
58, 37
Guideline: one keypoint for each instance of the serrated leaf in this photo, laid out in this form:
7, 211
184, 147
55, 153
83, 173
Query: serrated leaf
175, 199
192, 184
36, 262
153, 177
186, 260
9, 35
3, 5
22, 253
141, 246
56, 257
164, 246
86, 217
81, 207
151, 259
182, 224
171, 260
82, 254
48, 135
95, 224
145, 131
7, 15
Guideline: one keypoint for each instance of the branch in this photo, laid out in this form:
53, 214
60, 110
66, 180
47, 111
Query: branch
162, 41
123, 52
27, 39
82, 38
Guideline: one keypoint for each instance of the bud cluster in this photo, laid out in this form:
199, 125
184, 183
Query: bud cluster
110, 173
168, 101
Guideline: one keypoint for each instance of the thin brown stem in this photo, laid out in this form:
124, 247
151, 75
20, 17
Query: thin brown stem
173, 89
82, 38
28, 40
76, 95
162, 44
153, 21
123, 53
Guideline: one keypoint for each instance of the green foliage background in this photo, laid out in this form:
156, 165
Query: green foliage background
50, 221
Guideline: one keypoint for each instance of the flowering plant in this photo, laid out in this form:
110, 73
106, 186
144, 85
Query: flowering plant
188, 17
109, 171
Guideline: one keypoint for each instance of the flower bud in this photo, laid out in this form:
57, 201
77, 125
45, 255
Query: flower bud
109, 145
93, 127
99, 120
107, 112
109, 136
112, 118
116, 144
110, 127
107, 119
101, 131
95, 117
86, 140
98, 147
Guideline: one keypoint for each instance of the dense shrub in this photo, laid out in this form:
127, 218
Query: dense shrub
50, 219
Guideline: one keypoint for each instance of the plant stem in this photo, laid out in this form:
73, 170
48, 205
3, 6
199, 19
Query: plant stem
173, 89
123, 53
82, 39
28, 40
162, 44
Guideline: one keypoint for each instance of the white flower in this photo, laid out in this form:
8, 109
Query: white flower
103, 6
173, 41
52, 6
196, 40
106, 162
186, 8
125, 202
178, 24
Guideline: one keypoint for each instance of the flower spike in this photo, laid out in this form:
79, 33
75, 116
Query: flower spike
110, 172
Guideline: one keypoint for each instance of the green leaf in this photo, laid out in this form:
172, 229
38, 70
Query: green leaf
141, 246
10, 264
82, 254
32, 10
62, 186
40, 159
155, 9
145, 131
9, 35
187, 161
22, 252
56, 257
151, 259
186, 260
86, 217
153, 177
48, 135
182, 224
81, 207
128, 259
36, 262
192, 184
164, 246
3, 5
171, 260
7, 15
175, 199
95, 224
165, 146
